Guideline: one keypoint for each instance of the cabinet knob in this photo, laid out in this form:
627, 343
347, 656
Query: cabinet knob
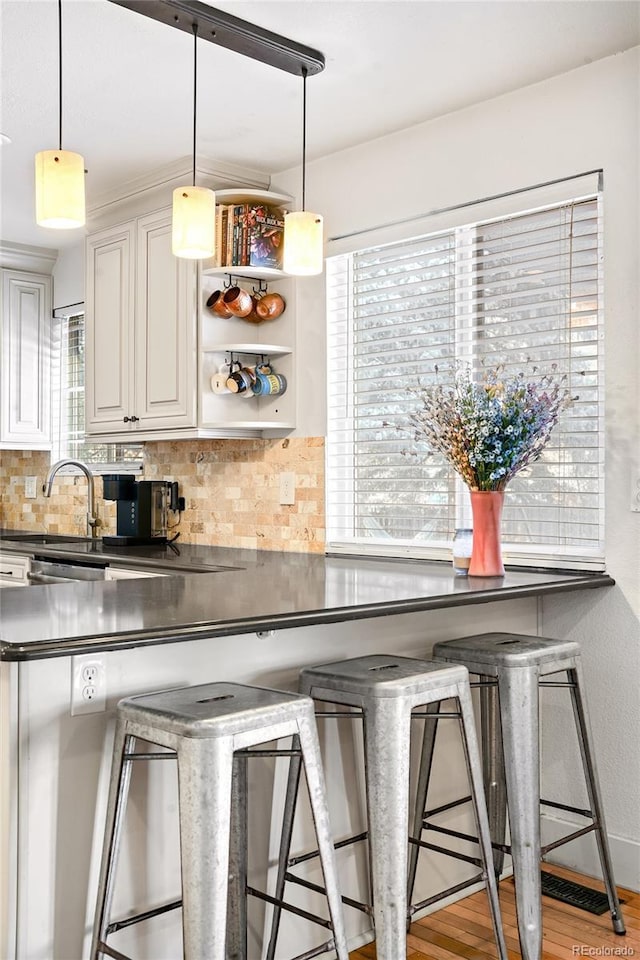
131, 419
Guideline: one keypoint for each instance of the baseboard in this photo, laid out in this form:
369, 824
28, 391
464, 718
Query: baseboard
582, 855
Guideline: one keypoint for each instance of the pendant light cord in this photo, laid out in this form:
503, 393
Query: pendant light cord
304, 135
195, 94
60, 75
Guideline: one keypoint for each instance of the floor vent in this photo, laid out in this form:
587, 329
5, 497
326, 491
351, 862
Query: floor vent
575, 894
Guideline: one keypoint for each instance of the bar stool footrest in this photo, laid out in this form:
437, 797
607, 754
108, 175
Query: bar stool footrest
348, 901
108, 951
139, 917
317, 951
415, 907
299, 912
338, 845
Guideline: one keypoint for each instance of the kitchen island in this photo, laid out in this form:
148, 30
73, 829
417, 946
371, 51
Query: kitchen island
254, 617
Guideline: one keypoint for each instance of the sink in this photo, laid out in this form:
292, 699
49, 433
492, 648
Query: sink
45, 538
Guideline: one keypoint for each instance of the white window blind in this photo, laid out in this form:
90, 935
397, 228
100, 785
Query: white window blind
523, 291
68, 370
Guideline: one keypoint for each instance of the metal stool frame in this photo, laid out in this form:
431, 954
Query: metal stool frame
510, 668
384, 691
210, 731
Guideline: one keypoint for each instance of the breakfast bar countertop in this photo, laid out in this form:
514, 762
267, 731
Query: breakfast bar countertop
213, 591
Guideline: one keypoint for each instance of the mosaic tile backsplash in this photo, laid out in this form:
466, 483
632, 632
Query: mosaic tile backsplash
231, 488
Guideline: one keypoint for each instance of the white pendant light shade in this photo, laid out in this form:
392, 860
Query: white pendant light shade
303, 250
194, 223
60, 189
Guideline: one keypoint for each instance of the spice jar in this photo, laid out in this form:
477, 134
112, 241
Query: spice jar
462, 546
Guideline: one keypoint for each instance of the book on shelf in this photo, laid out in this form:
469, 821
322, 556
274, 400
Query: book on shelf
249, 235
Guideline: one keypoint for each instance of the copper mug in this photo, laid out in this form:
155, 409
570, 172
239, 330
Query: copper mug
216, 304
270, 306
238, 302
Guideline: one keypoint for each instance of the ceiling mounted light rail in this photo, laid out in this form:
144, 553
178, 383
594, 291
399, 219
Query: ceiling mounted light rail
235, 34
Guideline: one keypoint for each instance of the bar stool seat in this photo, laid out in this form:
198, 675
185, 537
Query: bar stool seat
385, 692
511, 668
210, 729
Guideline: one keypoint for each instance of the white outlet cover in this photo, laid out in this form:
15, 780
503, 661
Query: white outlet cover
88, 684
30, 489
287, 488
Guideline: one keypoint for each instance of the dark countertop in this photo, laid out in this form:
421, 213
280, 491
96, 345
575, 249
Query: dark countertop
217, 591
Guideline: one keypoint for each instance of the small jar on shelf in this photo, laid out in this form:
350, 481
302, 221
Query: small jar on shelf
462, 547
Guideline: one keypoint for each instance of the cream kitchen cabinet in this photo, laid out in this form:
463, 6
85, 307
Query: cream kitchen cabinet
141, 316
25, 341
152, 346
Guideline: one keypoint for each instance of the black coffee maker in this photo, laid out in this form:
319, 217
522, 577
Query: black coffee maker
143, 508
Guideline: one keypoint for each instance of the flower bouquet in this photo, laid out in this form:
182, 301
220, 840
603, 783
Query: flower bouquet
489, 430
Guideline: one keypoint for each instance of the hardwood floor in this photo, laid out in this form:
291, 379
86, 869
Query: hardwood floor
464, 929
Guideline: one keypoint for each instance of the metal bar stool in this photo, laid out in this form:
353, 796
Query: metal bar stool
510, 668
385, 691
209, 730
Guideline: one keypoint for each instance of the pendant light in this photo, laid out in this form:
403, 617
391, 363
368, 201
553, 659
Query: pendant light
303, 254
194, 208
60, 173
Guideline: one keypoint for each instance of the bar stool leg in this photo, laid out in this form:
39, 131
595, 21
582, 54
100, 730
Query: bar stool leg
593, 790
474, 768
204, 786
317, 799
424, 776
493, 767
388, 725
293, 783
237, 897
116, 807
519, 708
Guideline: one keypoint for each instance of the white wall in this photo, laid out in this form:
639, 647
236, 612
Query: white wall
583, 120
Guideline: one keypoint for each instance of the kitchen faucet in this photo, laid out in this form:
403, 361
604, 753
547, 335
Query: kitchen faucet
93, 521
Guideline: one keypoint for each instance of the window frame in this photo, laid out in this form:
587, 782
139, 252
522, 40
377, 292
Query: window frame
64, 316
516, 554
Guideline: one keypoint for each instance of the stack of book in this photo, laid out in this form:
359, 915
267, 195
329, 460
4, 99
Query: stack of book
249, 235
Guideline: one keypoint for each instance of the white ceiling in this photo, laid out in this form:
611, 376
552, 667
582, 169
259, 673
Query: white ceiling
389, 64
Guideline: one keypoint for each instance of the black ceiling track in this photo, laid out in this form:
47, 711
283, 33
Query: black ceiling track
231, 32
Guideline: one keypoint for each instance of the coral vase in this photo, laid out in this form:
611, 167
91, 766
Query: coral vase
486, 556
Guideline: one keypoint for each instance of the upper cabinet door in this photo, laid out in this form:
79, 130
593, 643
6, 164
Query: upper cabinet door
109, 329
166, 325
25, 326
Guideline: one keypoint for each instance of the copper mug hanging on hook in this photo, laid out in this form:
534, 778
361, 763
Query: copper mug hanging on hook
217, 306
270, 306
238, 302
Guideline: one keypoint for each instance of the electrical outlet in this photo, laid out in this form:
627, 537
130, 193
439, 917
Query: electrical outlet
635, 493
30, 487
88, 684
287, 488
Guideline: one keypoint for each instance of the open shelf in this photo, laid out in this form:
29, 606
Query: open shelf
245, 273
248, 195
274, 350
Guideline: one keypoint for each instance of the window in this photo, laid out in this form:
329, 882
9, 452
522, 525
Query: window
68, 401
519, 290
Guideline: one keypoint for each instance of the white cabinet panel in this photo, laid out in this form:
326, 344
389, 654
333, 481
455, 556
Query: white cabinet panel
109, 329
166, 310
141, 331
25, 325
